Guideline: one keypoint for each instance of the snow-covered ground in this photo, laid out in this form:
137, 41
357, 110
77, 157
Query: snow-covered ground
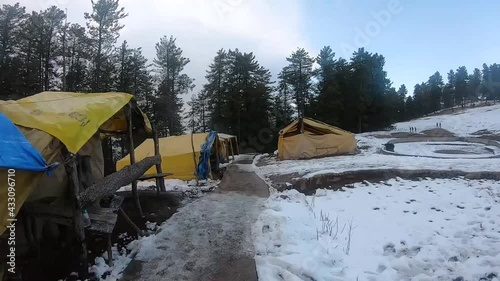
447, 149
174, 185
398, 230
462, 124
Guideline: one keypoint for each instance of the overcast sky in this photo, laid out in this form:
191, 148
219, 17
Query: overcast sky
417, 38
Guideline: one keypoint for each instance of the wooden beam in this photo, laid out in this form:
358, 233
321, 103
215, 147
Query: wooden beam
131, 223
110, 251
231, 145
130, 128
160, 182
72, 172
110, 184
155, 176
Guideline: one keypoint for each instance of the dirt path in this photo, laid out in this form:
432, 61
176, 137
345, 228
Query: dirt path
210, 238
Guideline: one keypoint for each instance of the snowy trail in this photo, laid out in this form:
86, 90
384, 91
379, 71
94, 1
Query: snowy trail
211, 238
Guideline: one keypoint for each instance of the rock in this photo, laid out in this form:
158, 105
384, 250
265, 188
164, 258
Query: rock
453, 259
459, 279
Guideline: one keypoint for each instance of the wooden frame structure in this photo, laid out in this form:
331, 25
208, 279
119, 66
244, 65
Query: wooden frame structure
85, 196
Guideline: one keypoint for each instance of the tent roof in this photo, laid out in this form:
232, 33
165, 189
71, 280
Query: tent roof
16, 152
172, 146
73, 118
313, 127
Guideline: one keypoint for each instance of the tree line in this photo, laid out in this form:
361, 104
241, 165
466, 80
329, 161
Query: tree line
41, 51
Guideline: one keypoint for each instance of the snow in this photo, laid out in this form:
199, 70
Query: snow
435, 149
174, 185
461, 123
401, 230
120, 262
370, 159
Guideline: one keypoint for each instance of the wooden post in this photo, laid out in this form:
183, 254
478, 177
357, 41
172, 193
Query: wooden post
237, 146
71, 170
132, 158
217, 160
231, 145
160, 182
194, 159
110, 251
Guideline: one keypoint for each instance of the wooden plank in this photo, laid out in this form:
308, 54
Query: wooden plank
102, 220
110, 184
155, 176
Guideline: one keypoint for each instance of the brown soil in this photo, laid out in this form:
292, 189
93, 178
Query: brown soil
340, 180
438, 132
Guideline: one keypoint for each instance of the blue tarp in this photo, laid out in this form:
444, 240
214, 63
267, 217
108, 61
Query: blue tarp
16, 152
203, 169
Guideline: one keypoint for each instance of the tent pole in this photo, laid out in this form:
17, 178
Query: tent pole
72, 172
160, 182
231, 145
132, 158
217, 160
194, 159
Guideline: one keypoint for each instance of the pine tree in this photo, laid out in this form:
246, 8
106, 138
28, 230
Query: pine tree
475, 80
103, 26
329, 101
283, 111
461, 85
12, 20
215, 92
172, 85
411, 111
435, 84
248, 102
198, 115
78, 58
298, 74
401, 103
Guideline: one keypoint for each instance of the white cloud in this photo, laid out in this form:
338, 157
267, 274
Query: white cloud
270, 29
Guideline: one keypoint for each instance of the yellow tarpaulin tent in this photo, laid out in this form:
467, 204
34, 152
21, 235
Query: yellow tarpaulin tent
73, 118
307, 138
51, 120
178, 155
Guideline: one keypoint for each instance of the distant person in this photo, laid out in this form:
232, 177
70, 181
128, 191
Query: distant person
437, 125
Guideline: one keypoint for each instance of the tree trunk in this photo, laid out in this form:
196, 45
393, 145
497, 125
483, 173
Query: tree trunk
113, 182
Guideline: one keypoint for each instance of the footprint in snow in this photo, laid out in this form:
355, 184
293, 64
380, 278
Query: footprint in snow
381, 268
389, 249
